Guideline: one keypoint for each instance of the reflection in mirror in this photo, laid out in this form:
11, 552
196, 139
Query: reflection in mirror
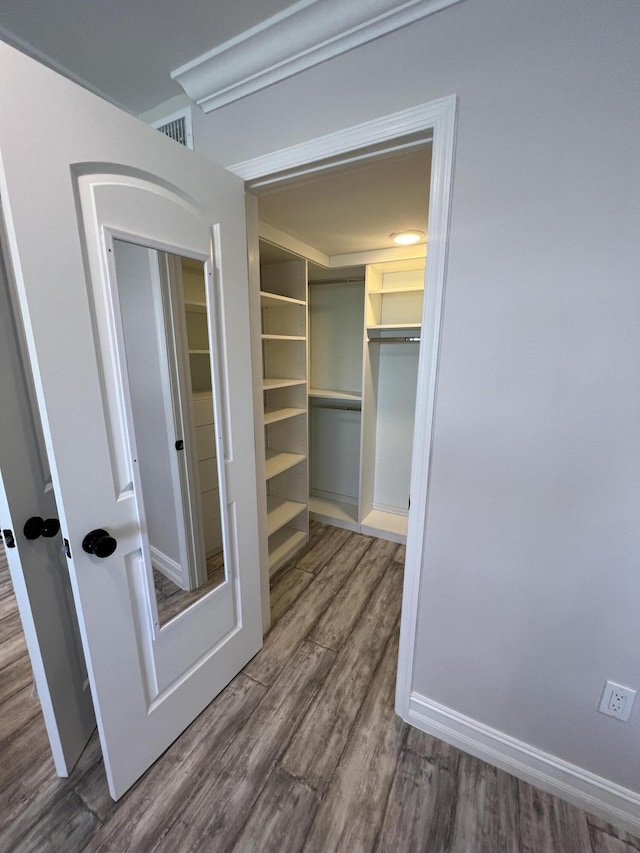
167, 343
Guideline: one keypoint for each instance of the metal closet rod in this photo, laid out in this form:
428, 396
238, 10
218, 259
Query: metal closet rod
394, 340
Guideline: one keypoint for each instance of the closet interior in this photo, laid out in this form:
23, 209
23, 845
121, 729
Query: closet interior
340, 359
340, 347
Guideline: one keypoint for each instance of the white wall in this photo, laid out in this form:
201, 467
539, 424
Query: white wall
531, 592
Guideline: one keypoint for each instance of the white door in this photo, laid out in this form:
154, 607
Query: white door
33, 546
79, 179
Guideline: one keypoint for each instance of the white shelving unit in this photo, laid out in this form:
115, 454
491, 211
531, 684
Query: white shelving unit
394, 299
339, 391
364, 341
336, 312
283, 300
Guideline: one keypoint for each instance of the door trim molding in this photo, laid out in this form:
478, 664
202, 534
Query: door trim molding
420, 119
438, 119
583, 789
297, 38
166, 566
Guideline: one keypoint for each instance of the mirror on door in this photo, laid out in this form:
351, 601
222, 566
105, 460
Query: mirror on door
164, 315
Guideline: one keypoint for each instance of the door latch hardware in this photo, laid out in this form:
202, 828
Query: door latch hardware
179, 444
66, 550
9, 541
99, 543
35, 527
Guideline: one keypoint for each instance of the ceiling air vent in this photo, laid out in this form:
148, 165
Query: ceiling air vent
177, 126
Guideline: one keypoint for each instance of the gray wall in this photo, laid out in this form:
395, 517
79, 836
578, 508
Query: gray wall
531, 592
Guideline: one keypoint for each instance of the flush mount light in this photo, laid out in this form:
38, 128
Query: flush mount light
407, 238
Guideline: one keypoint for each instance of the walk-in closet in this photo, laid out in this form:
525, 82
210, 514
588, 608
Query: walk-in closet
341, 317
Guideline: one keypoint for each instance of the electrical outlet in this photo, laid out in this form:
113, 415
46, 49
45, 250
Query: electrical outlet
617, 700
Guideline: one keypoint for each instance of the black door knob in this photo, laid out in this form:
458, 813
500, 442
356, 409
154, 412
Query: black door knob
99, 543
36, 526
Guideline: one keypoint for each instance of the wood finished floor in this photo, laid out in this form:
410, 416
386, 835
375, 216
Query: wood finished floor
302, 751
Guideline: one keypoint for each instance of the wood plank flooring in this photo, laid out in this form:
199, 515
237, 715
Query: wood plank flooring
301, 752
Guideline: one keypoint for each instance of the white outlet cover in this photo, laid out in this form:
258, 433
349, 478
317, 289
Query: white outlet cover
617, 700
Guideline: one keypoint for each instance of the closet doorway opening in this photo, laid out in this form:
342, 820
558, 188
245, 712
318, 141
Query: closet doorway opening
434, 123
296, 475
341, 313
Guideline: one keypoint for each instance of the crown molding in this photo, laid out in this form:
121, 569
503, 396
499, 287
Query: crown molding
301, 36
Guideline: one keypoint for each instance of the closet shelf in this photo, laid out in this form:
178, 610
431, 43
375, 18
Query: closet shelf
329, 394
277, 461
393, 326
275, 299
280, 512
335, 512
272, 416
196, 307
283, 544
198, 352
283, 338
392, 290
268, 383
392, 524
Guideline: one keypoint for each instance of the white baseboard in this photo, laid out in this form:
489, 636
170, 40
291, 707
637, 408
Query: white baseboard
596, 795
169, 568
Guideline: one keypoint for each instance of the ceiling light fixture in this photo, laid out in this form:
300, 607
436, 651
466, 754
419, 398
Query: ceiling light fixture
407, 238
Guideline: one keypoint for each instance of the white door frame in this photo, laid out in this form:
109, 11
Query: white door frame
440, 118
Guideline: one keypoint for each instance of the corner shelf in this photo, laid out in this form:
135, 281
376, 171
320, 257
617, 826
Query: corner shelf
334, 512
388, 525
274, 299
328, 394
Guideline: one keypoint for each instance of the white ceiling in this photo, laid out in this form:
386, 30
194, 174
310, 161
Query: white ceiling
354, 208
125, 51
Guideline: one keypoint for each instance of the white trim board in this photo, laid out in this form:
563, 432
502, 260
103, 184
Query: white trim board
166, 566
299, 37
579, 787
349, 140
